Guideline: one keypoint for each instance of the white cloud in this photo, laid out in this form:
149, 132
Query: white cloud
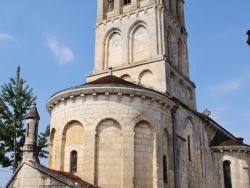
230, 85
62, 53
6, 37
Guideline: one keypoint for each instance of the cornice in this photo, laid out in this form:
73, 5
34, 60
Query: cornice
237, 149
151, 97
128, 14
151, 60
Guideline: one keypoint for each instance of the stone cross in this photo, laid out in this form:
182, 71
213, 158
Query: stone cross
206, 112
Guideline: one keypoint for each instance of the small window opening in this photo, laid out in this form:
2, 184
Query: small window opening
111, 5
73, 161
227, 174
27, 130
165, 175
35, 132
190, 93
189, 149
182, 32
126, 2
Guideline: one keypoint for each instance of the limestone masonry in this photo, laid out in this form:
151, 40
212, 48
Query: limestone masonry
134, 124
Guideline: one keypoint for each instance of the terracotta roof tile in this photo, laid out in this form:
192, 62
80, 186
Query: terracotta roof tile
232, 143
63, 175
110, 79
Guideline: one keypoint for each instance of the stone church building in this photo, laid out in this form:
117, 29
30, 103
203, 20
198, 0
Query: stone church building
134, 123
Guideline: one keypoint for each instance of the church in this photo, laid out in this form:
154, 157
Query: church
134, 123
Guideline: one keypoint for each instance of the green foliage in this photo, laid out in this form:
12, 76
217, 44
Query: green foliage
15, 99
43, 143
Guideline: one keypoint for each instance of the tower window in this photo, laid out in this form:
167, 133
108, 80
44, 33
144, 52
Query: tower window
126, 2
227, 174
165, 175
189, 149
111, 5
73, 161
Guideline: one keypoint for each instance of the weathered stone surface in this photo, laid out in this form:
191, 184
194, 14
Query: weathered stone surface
144, 132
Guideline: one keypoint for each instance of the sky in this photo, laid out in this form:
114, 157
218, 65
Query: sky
53, 42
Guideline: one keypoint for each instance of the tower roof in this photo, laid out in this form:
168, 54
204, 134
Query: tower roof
33, 113
111, 83
110, 79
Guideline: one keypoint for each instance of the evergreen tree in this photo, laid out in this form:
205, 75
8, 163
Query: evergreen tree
15, 99
43, 143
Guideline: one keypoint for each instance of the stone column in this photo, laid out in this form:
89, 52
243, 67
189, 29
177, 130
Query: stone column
89, 157
128, 159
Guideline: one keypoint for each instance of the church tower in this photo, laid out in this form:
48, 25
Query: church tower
134, 123
145, 42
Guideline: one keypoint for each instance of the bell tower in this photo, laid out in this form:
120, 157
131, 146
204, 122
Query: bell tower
145, 42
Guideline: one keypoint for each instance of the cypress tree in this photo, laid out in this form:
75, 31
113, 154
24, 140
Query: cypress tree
15, 99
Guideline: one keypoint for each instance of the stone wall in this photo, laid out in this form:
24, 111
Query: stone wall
108, 154
238, 157
120, 143
143, 155
193, 152
30, 177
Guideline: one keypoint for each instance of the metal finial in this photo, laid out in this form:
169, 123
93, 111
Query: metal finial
110, 71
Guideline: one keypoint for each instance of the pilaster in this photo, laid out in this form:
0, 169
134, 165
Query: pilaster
181, 12
134, 4
100, 10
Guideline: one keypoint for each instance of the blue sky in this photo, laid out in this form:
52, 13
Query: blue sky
53, 42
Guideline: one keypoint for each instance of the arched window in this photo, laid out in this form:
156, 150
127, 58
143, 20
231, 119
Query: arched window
140, 45
165, 174
170, 46
73, 161
36, 130
114, 50
126, 77
189, 149
145, 78
111, 5
126, 2
181, 88
27, 130
227, 174
74, 130
190, 93
172, 82
180, 56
